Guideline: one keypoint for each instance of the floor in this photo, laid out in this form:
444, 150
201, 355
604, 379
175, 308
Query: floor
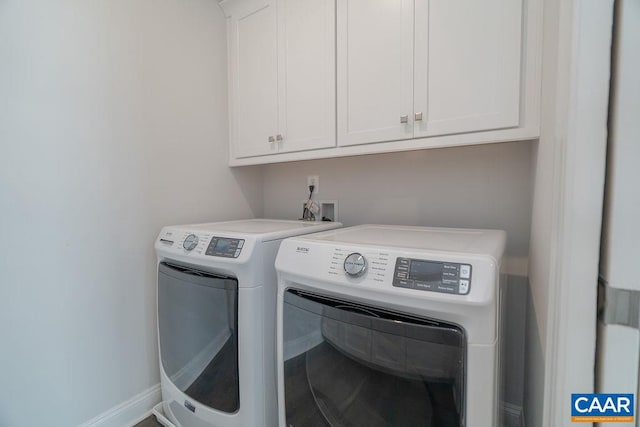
150, 421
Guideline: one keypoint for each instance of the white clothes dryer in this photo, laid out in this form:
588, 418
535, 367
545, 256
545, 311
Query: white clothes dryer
216, 320
390, 326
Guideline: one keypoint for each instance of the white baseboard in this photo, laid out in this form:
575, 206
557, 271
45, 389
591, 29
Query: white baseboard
130, 412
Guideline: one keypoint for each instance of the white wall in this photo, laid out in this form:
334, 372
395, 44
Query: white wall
571, 327
567, 207
112, 124
545, 158
484, 186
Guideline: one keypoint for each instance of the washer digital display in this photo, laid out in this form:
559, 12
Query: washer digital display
425, 270
434, 276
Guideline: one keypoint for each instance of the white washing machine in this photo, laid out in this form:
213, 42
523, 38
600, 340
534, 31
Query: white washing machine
216, 320
390, 326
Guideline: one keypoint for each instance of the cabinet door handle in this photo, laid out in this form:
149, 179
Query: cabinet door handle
418, 116
279, 137
272, 139
404, 119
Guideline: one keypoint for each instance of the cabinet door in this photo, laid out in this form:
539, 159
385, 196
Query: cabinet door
306, 88
375, 70
467, 65
253, 70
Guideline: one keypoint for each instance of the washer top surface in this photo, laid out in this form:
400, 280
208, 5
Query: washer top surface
458, 240
263, 229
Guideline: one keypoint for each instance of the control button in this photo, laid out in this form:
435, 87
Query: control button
464, 286
237, 253
465, 271
403, 283
403, 261
446, 289
355, 265
401, 275
190, 242
240, 244
424, 286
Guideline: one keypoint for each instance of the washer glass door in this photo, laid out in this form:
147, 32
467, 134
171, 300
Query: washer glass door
347, 364
198, 331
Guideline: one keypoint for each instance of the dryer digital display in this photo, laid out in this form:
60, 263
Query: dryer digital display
435, 276
225, 247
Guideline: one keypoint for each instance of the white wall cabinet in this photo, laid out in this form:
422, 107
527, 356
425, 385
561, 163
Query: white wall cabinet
282, 75
332, 78
467, 65
375, 70
410, 69
253, 78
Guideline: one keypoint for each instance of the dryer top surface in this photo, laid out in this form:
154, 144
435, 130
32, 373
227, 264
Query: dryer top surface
263, 229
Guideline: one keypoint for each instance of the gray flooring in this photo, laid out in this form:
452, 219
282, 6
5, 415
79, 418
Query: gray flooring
150, 421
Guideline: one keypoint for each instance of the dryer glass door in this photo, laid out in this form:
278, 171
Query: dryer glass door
198, 331
348, 364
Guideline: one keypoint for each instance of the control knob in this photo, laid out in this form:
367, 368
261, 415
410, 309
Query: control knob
190, 242
355, 265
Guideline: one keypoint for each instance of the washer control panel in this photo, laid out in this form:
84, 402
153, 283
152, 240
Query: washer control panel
225, 247
434, 276
365, 267
355, 265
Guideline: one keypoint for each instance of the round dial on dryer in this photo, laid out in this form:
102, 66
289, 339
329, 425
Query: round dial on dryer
190, 242
355, 265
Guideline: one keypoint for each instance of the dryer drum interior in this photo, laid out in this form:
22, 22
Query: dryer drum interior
347, 364
198, 331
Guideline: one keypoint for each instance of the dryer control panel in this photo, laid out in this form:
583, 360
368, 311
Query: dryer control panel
225, 247
193, 243
434, 276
